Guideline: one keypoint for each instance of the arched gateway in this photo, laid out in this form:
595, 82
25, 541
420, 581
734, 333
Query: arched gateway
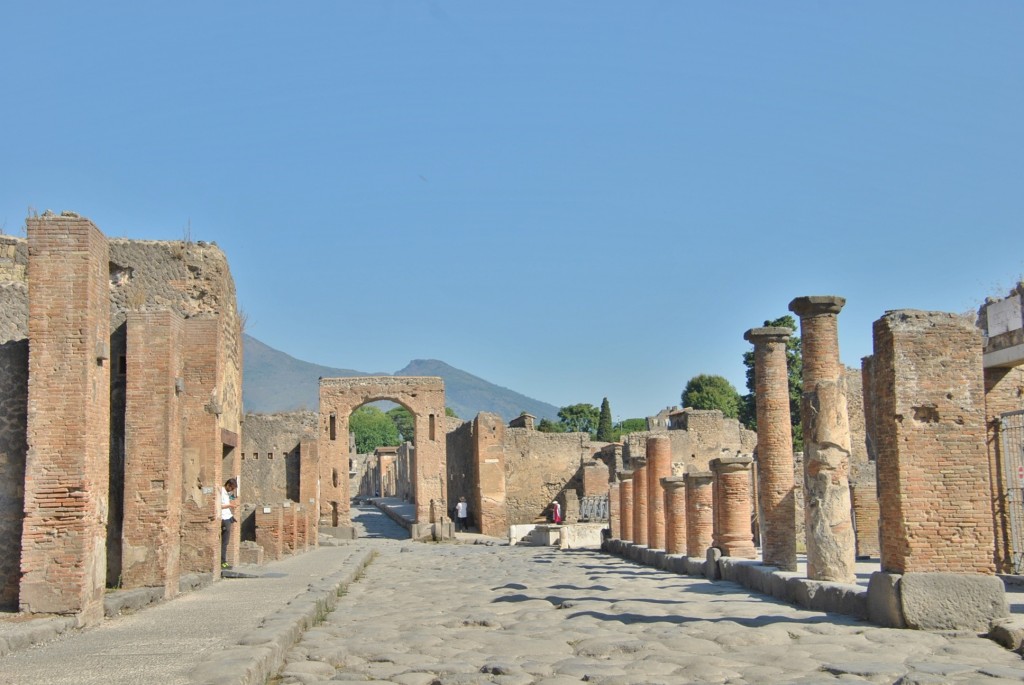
424, 398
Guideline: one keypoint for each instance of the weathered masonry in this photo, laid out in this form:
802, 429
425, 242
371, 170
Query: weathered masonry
120, 411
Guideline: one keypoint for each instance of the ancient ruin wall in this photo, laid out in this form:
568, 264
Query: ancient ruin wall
271, 459
539, 467
933, 477
706, 438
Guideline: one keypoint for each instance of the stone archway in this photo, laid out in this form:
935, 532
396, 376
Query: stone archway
424, 398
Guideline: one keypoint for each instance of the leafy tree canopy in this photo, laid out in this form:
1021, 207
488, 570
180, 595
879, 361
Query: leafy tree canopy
373, 428
627, 426
548, 426
579, 418
448, 411
712, 392
405, 423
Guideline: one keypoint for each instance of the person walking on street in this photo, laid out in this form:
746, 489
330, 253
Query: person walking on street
228, 504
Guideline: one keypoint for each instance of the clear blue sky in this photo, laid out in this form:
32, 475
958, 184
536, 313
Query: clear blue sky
570, 199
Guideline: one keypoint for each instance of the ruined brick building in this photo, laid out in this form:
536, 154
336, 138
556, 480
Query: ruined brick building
120, 413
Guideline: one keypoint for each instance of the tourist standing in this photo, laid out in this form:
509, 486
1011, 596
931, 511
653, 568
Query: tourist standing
228, 504
462, 515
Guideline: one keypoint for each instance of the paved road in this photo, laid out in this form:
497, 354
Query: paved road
449, 614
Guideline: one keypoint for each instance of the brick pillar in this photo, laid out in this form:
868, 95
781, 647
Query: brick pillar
699, 513
301, 544
674, 488
202, 469
63, 546
733, 506
309, 486
288, 529
831, 545
614, 512
152, 470
626, 504
270, 530
774, 446
933, 478
491, 491
640, 507
659, 465
1004, 392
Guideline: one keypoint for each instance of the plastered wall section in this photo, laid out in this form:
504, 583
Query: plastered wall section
66, 479
153, 449
540, 467
933, 471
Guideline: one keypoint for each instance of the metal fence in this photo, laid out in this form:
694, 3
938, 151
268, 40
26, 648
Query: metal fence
1011, 432
594, 508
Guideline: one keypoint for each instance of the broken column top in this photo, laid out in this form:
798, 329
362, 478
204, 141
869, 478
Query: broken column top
624, 475
673, 481
732, 463
768, 334
816, 305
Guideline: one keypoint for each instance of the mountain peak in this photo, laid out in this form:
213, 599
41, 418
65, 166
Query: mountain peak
276, 382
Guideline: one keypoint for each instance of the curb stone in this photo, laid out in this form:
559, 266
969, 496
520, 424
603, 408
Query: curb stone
260, 653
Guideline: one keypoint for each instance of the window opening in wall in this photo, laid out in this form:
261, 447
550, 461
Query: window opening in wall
270, 455
334, 427
122, 365
432, 427
255, 455
243, 456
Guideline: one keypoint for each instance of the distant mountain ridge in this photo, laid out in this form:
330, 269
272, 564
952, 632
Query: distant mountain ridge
274, 381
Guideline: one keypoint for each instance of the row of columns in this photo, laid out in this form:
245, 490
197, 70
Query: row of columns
691, 513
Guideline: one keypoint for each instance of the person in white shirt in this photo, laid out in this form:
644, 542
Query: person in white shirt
462, 515
228, 504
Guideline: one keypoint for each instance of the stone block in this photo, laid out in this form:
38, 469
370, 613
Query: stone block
695, 566
952, 601
711, 568
884, 604
780, 584
1009, 632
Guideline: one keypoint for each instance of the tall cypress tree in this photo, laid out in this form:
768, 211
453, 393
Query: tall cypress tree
605, 432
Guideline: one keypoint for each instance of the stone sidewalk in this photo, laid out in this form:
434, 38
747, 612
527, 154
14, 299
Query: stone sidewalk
232, 632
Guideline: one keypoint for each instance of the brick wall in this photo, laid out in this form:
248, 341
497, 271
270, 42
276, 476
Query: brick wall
66, 481
934, 486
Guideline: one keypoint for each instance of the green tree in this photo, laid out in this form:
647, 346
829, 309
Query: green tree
628, 426
794, 369
448, 411
707, 391
579, 418
605, 432
373, 428
549, 426
405, 423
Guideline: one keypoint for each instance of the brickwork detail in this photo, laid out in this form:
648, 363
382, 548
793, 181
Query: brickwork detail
641, 509
152, 475
63, 560
831, 546
774, 447
933, 469
270, 530
732, 507
490, 496
659, 465
626, 504
700, 520
674, 488
615, 511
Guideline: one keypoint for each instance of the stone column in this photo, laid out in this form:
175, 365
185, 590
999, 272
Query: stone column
733, 506
614, 513
699, 513
675, 514
659, 465
626, 504
774, 447
831, 547
640, 507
